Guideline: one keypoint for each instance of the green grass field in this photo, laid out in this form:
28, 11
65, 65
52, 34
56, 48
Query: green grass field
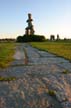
62, 49
6, 54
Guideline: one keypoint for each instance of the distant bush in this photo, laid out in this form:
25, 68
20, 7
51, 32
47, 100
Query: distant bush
38, 38
19, 39
31, 38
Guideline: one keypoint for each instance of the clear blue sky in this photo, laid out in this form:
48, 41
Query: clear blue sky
50, 17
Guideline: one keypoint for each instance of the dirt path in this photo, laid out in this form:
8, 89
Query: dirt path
40, 83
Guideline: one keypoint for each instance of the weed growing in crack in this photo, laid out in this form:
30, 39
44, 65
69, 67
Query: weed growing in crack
51, 92
7, 78
65, 72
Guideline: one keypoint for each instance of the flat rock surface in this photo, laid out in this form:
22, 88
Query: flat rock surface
41, 83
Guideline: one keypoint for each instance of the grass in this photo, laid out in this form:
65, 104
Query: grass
6, 54
65, 72
7, 78
62, 49
51, 92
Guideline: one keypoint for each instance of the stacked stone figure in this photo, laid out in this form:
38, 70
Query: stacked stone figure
29, 30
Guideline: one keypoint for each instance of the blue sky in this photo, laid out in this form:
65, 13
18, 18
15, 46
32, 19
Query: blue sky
50, 17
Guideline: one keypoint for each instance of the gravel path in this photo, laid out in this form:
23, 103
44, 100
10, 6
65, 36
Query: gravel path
40, 83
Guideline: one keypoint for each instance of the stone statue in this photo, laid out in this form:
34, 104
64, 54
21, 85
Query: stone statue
29, 30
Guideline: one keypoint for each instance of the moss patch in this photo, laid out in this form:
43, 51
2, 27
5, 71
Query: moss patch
7, 78
65, 72
51, 92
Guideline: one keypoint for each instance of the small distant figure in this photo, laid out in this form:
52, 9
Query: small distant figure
58, 38
29, 30
52, 37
